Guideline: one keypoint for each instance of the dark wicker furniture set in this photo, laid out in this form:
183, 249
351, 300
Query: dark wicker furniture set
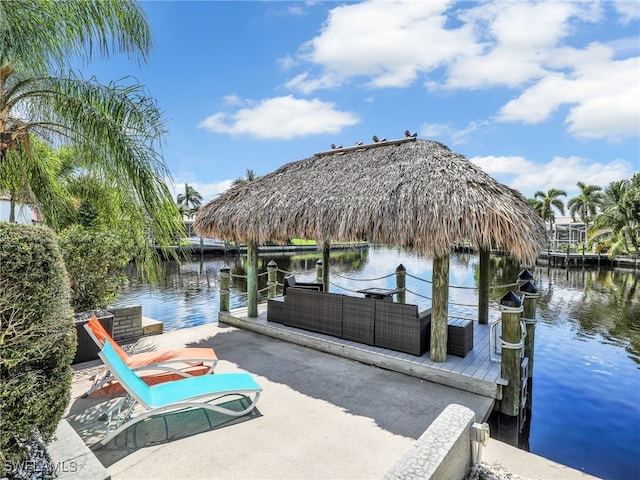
396, 326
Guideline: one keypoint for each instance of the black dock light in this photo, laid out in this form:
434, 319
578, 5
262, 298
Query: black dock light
528, 287
510, 299
525, 275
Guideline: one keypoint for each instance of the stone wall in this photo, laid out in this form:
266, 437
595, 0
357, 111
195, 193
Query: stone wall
443, 451
127, 322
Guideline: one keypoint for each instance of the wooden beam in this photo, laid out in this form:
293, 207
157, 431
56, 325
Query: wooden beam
440, 308
252, 279
483, 286
326, 251
365, 147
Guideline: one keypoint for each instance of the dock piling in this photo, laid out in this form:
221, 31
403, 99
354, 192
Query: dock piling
529, 318
401, 283
272, 279
512, 343
319, 271
225, 280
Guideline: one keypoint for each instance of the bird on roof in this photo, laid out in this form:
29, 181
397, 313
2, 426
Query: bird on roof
408, 134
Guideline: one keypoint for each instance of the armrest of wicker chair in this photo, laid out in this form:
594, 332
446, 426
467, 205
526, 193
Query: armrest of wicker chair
400, 327
290, 282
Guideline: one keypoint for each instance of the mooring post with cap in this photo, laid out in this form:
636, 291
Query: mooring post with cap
530, 292
319, 271
272, 278
401, 283
511, 341
225, 280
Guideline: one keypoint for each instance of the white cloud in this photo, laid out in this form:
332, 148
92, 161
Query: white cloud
457, 136
287, 62
501, 165
304, 84
559, 172
629, 10
436, 130
517, 38
409, 37
232, 100
525, 46
603, 95
281, 118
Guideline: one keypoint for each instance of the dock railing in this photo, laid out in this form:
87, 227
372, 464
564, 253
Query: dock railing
511, 335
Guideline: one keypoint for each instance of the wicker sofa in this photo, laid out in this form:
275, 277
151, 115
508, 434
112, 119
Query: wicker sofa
395, 326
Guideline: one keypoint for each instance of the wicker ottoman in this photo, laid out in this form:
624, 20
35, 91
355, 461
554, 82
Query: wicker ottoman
459, 337
275, 310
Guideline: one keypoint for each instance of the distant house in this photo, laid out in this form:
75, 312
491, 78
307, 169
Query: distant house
566, 230
24, 213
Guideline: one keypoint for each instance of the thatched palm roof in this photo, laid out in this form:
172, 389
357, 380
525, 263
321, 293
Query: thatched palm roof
408, 193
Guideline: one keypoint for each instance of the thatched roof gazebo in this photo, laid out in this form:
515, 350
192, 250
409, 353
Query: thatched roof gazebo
408, 193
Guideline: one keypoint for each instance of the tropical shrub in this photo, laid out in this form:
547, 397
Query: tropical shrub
94, 260
37, 339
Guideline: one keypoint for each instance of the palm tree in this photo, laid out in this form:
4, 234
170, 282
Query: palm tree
547, 202
619, 218
190, 201
249, 177
38, 35
32, 180
585, 205
116, 129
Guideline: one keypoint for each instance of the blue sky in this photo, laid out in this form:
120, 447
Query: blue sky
539, 94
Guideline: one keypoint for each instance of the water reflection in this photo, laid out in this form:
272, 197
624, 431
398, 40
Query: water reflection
586, 387
600, 303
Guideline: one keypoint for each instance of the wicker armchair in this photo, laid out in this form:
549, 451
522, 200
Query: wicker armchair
401, 327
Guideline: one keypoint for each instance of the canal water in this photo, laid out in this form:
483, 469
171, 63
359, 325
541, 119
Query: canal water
586, 383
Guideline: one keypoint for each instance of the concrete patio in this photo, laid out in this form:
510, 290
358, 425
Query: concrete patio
320, 416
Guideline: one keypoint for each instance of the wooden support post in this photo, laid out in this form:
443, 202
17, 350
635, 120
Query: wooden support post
440, 308
326, 252
511, 340
529, 318
272, 278
483, 286
401, 283
225, 280
252, 279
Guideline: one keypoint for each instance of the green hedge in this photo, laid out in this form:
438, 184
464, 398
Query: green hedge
37, 338
94, 259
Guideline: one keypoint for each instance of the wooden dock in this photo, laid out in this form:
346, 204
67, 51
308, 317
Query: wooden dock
475, 373
564, 260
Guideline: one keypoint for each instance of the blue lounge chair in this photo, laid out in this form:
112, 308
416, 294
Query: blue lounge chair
192, 392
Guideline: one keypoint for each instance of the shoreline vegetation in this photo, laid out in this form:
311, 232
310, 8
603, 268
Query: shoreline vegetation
196, 245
